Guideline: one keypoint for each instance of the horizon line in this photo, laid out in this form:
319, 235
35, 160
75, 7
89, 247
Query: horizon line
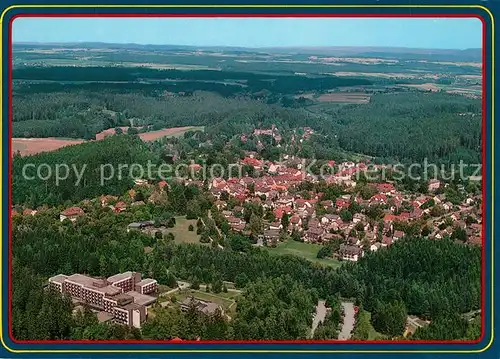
245, 47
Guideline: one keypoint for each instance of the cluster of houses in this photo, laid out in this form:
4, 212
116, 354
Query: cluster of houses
319, 221
273, 132
315, 218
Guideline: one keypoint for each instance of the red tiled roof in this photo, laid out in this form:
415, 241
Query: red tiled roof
385, 187
387, 241
73, 211
389, 217
404, 215
252, 161
121, 205
417, 212
300, 202
379, 197
476, 226
162, 184
341, 203
278, 213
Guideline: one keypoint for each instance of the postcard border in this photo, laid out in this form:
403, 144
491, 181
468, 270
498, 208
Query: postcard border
117, 6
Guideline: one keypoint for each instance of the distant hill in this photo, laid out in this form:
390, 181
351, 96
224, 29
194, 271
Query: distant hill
387, 52
382, 52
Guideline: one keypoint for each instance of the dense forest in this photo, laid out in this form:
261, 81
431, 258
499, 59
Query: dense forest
413, 126
437, 281
445, 281
393, 126
246, 82
404, 127
274, 60
85, 160
83, 114
419, 272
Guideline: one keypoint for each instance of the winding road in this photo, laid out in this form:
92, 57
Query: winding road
348, 325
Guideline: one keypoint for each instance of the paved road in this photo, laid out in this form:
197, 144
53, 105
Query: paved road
432, 220
348, 325
319, 316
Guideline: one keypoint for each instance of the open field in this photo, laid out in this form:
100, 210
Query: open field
226, 300
153, 135
472, 91
229, 305
162, 288
472, 77
304, 250
182, 233
31, 146
387, 75
344, 97
212, 297
450, 63
426, 87
168, 132
110, 131
159, 66
337, 97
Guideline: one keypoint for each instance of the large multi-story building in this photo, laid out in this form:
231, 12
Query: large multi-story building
129, 314
126, 280
146, 286
123, 296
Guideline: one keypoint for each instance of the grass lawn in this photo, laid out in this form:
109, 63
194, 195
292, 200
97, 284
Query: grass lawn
182, 233
304, 250
191, 128
229, 295
163, 288
222, 299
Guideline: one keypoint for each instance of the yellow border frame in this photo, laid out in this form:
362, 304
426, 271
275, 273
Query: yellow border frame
270, 7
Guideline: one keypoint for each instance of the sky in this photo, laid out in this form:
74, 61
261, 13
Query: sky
439, 33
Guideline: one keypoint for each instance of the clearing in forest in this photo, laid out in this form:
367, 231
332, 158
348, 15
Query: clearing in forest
32, 146
308, 251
